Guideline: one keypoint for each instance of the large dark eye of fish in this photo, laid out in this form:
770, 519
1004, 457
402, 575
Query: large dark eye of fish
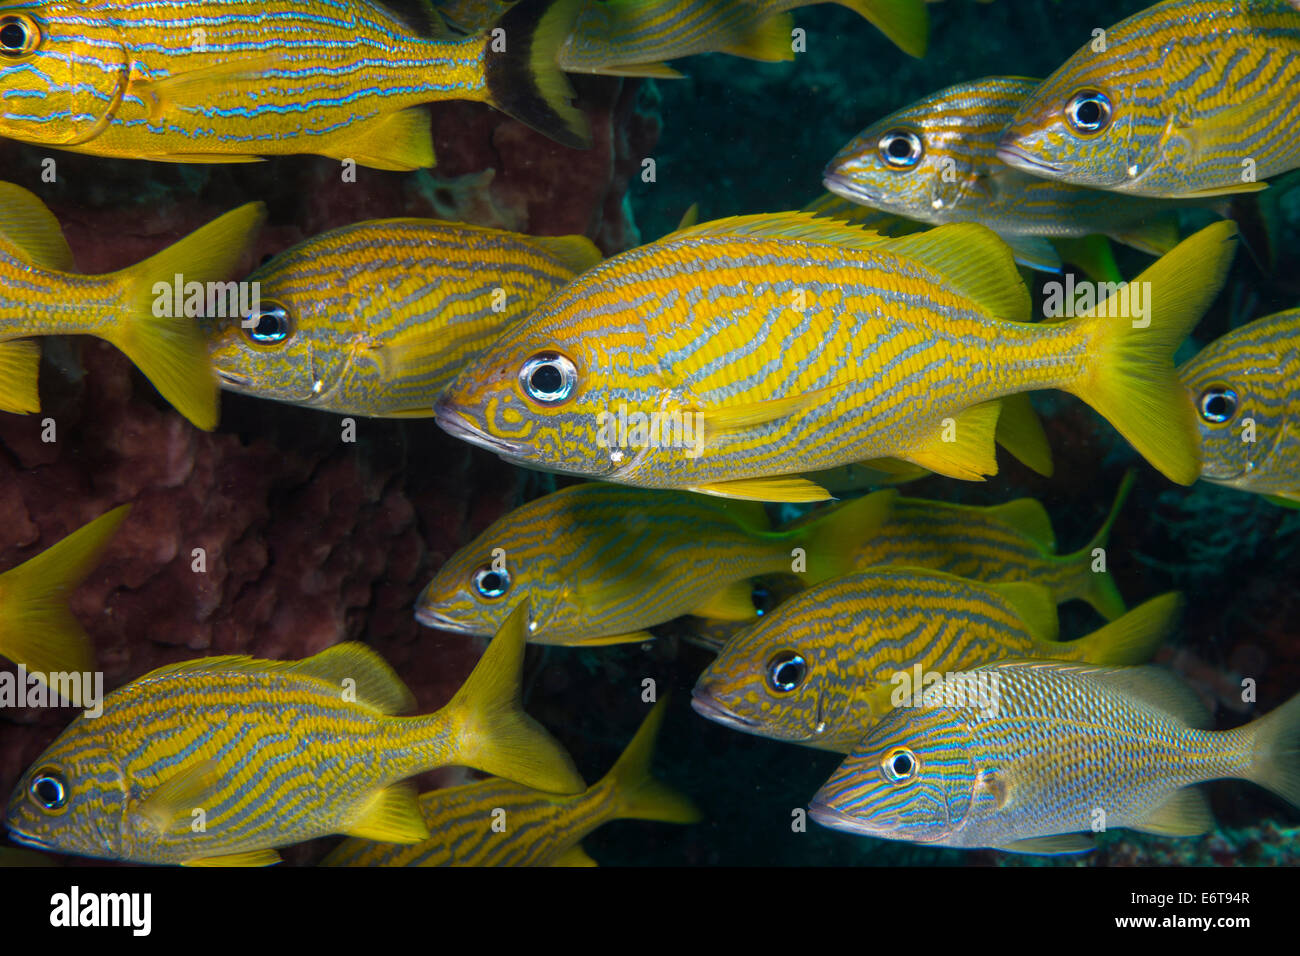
491, 583
1218, 404
49, 789
19, 36
269, 326
786, 671
1088, 111
901, 149
548, 378
900, 765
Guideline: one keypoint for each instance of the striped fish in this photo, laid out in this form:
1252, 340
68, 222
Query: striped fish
762, 347
827, 664
634, 37
1068, 750
936, 161
498, 823
1246, 390
221, 81
1187, 99
215, 761
1008, 542
36, 628
601, 563
376, 318
41, 295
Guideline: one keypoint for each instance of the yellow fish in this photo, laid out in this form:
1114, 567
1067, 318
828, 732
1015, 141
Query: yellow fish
376, 318
40, 295
224, 81
734, 356
498, 823
37, 630
268, 753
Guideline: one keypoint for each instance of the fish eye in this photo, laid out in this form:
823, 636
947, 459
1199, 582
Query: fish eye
786, 671
1088, 111
269, 325
490, 582
19, 36
900, 765
1218, 404
900, 149
548, 378
49, 789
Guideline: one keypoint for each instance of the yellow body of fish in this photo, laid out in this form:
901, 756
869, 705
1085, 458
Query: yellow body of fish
735, 355
268, 753
133, 308
218, 81
498, 823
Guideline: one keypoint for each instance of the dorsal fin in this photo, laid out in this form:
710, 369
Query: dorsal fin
377, 684
1035, 606
976, 262
1030, 518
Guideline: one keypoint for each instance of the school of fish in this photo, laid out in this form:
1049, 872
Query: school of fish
718, 386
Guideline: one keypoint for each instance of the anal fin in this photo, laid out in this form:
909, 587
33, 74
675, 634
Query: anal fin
971, 453
392, 816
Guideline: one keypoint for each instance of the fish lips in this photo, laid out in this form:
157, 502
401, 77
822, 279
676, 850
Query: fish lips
457, 424
706, 705
847, 187
828, 816
430, 617
26, 839
1017, 158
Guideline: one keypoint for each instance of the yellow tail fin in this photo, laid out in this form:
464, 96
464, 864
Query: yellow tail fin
1133, 638
36, 628
171, 351
20, 364
1130, 378
638, 795
905, 22
497, 736
525, 80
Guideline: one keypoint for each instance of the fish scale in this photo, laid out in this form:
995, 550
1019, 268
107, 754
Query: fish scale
856, 634
888, 348
233, 80
1065, 748
1224, 74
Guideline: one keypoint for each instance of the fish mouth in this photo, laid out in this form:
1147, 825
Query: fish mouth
436, 619
704, 704
1017, 158
827, 816
456, 424
847, 188
233, 380
26, 839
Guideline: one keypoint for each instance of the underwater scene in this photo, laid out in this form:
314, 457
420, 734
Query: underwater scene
650, 433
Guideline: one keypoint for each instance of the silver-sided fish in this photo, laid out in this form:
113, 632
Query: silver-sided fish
936, 161
1246, 388
1034, 756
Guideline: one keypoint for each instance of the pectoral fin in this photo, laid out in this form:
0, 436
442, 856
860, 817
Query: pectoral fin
180, 795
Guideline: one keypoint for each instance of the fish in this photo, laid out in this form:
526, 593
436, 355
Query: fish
601, 563
231, 81
495, 822
1069, 750
762, 347
217, 761
936, 161
1187, 99
37, 629
830, 662
1247, 400
375, 319
995, 543
635, 37
42, 295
